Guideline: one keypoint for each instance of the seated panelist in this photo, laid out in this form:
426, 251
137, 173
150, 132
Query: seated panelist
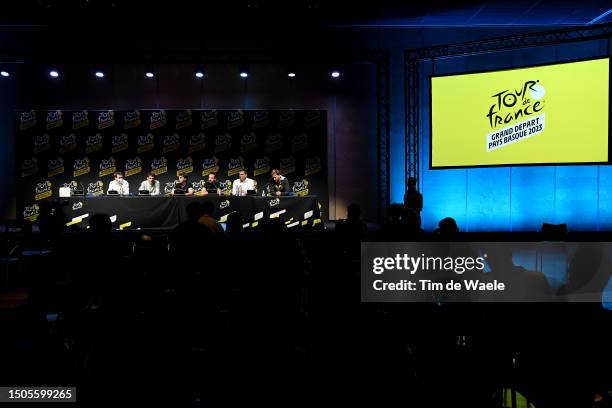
150, 184
183, 185
119, 184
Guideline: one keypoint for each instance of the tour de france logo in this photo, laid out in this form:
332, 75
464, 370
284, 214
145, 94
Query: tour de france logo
516, 114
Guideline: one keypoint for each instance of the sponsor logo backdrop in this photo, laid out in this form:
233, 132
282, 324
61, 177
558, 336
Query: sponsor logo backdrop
81, 149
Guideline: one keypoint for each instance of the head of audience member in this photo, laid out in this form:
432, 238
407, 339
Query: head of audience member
447, 227
242, 175
411, 184
410, 218
395, 213
118, 175
151, 178
208, 208
353, 212
194, 211
276, 175
589, 270
182, 179
212, 177
234, 223
100, 224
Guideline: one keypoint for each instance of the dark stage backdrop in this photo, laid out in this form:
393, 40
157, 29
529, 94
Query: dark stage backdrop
84, 148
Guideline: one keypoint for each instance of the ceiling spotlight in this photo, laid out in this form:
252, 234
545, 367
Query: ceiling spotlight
99, 74
291, 74
5, 74
243, 70
54, 73
335, 74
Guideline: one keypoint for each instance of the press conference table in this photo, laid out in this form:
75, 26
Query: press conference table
169, 211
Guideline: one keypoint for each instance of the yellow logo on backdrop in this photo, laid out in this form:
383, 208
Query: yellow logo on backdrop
43, 190
133, 166
29, 167
30, 213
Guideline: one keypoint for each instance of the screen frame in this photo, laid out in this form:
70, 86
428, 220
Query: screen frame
484, 71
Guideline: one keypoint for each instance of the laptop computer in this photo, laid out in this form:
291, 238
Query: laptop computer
144, 192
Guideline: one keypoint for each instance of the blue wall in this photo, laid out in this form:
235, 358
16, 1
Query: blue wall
513, 198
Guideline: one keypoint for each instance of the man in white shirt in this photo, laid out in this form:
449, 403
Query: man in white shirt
150, 184
121, 186
242, 184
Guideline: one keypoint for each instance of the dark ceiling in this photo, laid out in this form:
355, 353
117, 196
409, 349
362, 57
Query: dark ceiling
121, 30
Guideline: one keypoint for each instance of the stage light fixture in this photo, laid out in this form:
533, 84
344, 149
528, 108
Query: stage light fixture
54, 73
199, 72
149, 74
335, 74
5, 74
99, 74
244, 74
291, 74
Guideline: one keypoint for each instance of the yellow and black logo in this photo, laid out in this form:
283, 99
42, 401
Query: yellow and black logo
235, 165
81, 167
235, 119
68, 143
119, 143
55, 167
184, 166
29, 167
171, 143
226, 187
261, 166
299, 142
223, 142
95, 188
197, 143
210, 165
42, 143
158, 119
30, 213
287, 165
54, 119
300, 188
183, 119
80, 119
106, 119
159, 166
248, 142
131, 120
43, 190
27, 120
107, 166
145, 143
133, 166
93, 143
312, 166
274, 142
209, 119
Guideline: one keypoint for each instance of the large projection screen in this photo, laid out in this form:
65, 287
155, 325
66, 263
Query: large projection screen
547, 114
